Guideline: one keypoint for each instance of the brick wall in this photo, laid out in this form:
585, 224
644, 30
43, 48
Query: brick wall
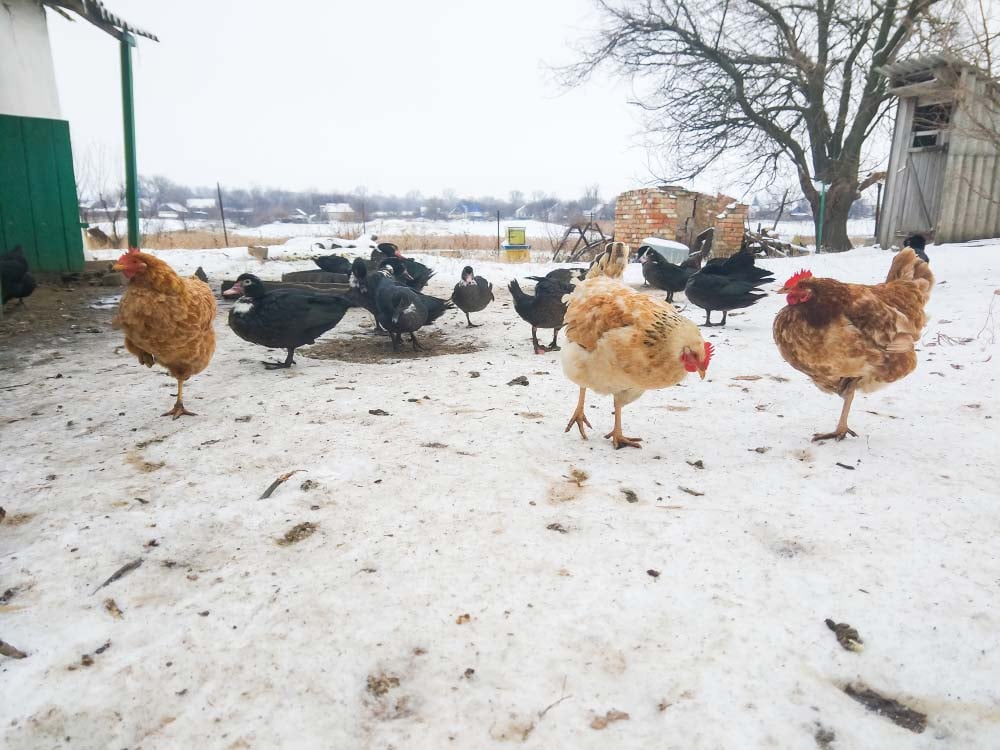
674, 213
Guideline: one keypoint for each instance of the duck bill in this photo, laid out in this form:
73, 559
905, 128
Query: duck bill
236, 290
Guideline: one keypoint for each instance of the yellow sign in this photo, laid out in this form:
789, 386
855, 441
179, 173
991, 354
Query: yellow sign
517, 236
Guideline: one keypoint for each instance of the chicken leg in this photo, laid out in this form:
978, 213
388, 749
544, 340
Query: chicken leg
617, 438
179, 409
842, 429
289, 361
553, 347
579, 418
471, 324
539, 349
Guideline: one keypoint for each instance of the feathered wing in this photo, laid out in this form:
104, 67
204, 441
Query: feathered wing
624, 340
170, 318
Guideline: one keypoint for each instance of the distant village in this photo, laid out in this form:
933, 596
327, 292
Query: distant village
161, 199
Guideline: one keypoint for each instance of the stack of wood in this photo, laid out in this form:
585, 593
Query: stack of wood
763, 244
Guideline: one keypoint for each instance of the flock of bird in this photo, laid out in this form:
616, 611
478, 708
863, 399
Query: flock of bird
620, 341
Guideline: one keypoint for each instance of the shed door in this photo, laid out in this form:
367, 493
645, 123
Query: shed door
38, 203
922, 194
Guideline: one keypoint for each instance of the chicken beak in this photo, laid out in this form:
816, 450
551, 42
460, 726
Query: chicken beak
783, 290
701, 373
117, 267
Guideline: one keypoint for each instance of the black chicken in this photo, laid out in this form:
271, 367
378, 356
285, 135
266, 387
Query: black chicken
664, 275
918, 243
333, 264
472, 294
15, 281
543, 309
412, 273
727, 284
571, 276
398, 308
282, 318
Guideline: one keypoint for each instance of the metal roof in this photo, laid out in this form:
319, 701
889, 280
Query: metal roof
95, 12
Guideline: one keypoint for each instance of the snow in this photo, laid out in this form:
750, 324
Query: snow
439, 603
805, 228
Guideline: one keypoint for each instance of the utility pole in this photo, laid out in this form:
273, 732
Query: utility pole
222, 211
128, 116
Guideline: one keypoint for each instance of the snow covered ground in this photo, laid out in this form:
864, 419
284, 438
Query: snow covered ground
476, 577
789, 229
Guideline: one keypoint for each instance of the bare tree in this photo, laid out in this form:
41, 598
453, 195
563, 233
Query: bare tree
768, 82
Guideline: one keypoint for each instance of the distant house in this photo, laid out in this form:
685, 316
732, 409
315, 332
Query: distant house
298, 216
200, 204
336, 211
172, 211
468, 211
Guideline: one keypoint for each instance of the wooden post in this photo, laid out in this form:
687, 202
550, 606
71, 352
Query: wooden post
498, 230
222, 211
878, 207
128, 117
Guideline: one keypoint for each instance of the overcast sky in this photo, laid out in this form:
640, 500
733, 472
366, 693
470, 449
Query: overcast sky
394, 96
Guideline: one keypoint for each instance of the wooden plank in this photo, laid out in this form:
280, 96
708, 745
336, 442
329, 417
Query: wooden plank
69, 203
16, 221
43, 192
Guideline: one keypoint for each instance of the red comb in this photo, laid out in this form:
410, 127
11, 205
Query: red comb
709, 351
130, 251
803, 274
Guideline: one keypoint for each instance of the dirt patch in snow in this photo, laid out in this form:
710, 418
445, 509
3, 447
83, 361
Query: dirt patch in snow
370, 348
55, 310
297, 533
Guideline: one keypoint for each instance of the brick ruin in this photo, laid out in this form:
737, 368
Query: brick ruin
675, 213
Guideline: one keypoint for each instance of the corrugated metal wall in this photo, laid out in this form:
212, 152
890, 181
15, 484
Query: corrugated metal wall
971, 207
38, 201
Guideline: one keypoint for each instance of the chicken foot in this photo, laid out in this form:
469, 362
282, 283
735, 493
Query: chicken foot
617, 438
579, 418
416, 345
539, 349
471, 324
289, 361
842, 429
179, 409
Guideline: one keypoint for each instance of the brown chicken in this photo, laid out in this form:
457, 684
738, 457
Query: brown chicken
850, 337
624, 343
166, 319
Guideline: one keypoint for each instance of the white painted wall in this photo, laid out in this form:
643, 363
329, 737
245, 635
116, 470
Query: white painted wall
27, 76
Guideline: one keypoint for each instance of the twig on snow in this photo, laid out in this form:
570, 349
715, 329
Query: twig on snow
541, 714
124, 570
278, 482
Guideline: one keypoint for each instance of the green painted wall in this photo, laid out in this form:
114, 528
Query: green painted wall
38, 202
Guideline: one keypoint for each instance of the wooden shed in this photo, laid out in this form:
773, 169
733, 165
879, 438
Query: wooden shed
943, 179
39, 208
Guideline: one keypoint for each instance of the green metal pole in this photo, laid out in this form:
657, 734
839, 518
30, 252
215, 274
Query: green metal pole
128, 115
822, 219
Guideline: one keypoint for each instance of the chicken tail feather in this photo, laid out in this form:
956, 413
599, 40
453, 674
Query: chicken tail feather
611, 262
906, 266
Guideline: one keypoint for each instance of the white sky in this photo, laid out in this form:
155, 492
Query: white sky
391, 95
